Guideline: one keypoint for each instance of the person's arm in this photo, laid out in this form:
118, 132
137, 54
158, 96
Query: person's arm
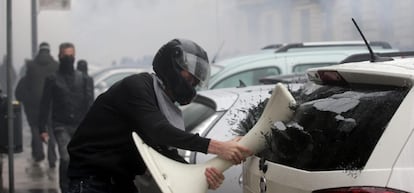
141, 106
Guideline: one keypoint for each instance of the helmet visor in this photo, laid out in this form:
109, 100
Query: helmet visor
195, 65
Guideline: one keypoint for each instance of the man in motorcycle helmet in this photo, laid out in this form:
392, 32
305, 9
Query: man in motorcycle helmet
102, 152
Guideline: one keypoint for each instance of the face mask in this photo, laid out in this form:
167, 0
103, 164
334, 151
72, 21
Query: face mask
66, 64
67, 59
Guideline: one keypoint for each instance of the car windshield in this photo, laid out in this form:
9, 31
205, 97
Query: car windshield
333, 128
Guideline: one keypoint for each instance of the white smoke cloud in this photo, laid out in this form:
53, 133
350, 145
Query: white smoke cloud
106, 30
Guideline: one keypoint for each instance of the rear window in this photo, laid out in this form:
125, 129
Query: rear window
333, 128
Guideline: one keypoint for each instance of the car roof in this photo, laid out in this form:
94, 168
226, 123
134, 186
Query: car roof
245, 60
329, 45
398, 72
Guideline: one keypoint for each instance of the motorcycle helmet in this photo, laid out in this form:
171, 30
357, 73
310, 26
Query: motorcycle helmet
178, 55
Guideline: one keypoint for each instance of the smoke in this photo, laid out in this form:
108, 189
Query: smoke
107, 30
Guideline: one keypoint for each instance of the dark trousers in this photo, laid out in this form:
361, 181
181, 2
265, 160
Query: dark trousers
63, 134
38, 153
37, 147
93, 184
51, 150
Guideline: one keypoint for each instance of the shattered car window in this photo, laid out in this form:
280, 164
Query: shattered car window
333, 128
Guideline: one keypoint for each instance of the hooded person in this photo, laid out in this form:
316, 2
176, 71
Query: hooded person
82, 66
103, 156
66, 98
29, 91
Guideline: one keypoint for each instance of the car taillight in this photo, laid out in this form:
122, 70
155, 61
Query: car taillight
360, 190
331, 77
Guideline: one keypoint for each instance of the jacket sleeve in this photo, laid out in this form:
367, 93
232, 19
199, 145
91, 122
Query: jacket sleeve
140, 105
46, 104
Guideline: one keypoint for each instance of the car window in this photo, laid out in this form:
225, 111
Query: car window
195, 113
333, 128
250, 77
298, 68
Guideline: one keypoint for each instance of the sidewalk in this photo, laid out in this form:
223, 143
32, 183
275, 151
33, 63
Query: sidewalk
28, 178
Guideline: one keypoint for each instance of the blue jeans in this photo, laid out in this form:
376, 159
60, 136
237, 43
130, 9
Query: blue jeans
93, 184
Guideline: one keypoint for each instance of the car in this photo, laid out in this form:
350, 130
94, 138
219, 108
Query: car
248, 70
107, 77
352, 131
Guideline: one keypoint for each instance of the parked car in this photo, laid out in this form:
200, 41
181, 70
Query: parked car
352, 132
107, 77
248, 70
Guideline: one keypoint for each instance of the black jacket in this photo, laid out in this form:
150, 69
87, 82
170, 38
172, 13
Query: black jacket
29, 89
103, 144
67, 97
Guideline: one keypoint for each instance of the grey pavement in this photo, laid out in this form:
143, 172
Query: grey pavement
29, 178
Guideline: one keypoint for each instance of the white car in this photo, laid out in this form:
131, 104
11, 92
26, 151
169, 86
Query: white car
352, 132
